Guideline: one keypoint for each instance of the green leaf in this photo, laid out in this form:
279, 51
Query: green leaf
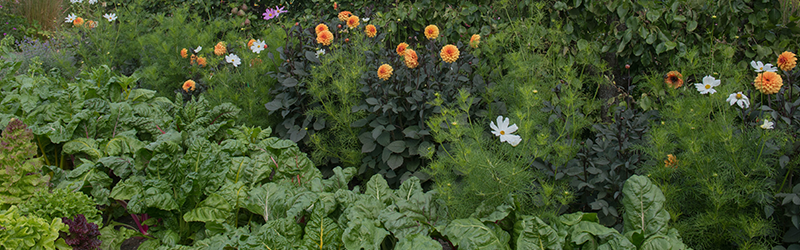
653, 14
112, 235
397, 146
126, 189
417, 242
532, 233
598, 235
83, 145
269, 200
322, 232
213, 209
470, 233
276, 234
120, 145
644, 207
378, 188
120, 166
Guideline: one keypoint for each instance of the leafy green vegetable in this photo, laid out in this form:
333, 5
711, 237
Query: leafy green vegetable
644, 207
61, 203
471, 233
30, 232
417, 241
20, 175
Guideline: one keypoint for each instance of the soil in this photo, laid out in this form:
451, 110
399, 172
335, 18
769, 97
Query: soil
132, 243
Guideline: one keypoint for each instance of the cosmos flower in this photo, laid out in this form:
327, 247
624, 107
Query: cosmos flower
233, 59
767, 124
761, 67
739, 99
505, 132
198, 49
707, 87
258, 46
70, 18
320, 52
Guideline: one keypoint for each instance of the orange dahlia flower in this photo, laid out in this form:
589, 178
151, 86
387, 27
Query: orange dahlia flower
344, 15
255, 61
768, 82
78, 21
250, 43
674, 79
325, 38
320, 28
352, 21
432, 32
91, 24
385, 71
220, 49
371, 30
401, 49
787, 61
335, 6
193, 59
449, 53
189, 85
202, 61
184, 53
474, 41
411, 58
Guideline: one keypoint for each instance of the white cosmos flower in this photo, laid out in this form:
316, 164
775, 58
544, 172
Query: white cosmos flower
71, 17
75, 1
258, 46
198, 49
92, 1
505, 132
740, 99
233, 59
767, 124
320, 52
366, 19
761, 67
707, 87
110, 17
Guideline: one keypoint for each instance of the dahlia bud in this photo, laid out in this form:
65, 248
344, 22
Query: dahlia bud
627, 66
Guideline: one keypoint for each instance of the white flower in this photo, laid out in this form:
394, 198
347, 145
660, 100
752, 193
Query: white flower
71, 17
707, 87
233, 59
767, 124
75, 1
111, 17
761, 67
258, 46
92, 1
366, 19
740, 99
198, 49
320, 52
505, 132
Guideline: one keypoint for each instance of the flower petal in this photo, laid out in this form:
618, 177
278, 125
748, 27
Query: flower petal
514, 140
513, 128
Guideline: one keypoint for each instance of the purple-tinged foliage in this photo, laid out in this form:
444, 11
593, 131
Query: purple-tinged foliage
82, 234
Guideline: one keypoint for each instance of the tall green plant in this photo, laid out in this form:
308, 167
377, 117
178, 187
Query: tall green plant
21, 173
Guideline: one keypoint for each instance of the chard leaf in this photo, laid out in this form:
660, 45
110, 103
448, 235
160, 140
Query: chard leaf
322, 232
83, 145
276, 234
159, 194
419, 214
120, 145
120, 166
340, 179
112, 235
363, 230
214, 208
126, 189
471, 233
532, 233
417, 242
378, 188
598, 236
644, 207
269, 200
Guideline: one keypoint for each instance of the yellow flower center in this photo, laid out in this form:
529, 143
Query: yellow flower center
708, 86
738, 96
762, 68
502, 132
